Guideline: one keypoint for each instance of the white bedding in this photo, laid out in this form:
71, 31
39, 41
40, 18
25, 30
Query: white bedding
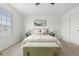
41, 44
34, 37
40, 38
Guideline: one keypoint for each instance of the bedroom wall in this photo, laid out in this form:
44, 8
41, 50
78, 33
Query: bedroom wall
70, 47
16, 31
53, 23
66, 20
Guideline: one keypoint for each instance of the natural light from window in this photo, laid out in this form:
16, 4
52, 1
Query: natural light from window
5, 22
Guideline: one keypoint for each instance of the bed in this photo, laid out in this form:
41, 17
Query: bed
40, 43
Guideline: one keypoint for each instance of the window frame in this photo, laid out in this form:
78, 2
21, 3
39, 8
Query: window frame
7, 14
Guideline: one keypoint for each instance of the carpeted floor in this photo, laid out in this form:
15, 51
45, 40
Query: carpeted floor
14, 50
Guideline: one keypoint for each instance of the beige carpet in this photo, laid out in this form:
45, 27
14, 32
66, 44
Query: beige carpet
14, 50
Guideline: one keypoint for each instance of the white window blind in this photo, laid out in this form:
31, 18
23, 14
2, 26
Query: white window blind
5, 22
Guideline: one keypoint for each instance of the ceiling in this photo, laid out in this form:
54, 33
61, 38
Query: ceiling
43, 9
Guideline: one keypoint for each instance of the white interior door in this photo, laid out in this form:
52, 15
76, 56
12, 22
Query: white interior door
75, 28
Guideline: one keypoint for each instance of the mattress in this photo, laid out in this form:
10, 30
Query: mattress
40, 39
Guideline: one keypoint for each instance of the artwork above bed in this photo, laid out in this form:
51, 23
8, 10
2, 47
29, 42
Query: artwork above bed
40, 22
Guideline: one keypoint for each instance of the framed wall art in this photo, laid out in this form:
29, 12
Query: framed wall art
40, 22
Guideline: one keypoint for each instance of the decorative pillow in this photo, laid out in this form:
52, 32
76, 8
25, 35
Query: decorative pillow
40, 31
44, 31
37, 31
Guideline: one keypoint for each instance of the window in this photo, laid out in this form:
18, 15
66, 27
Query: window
5, 22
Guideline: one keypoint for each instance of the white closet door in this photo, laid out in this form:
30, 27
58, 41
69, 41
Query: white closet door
75, 28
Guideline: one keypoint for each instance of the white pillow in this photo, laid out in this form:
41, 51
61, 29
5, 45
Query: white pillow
44, 31
37, 31
40, 31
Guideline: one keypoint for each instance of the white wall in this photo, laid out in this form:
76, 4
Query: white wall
66, 30
66, 23
16, 25
53, 22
